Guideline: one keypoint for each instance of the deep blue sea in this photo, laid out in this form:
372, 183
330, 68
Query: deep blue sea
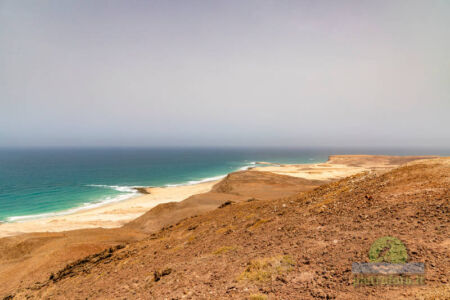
44, 182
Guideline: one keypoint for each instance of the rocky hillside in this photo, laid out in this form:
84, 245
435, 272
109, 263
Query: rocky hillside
298, 246
235, 187
30, 258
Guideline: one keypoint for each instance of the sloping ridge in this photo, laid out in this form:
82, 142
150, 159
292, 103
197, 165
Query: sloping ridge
235, 187
31, 258
298, 247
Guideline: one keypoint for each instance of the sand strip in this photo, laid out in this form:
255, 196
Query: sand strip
117, 214
107, 216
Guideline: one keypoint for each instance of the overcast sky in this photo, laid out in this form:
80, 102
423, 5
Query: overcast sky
235, 73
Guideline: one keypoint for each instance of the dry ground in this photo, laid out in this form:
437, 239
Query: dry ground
299, 245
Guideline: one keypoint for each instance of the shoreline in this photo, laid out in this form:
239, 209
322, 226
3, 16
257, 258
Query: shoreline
109, 215
245, 217
138, 191
173, 192
116, 214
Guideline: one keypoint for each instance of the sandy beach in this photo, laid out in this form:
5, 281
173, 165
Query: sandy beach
114, 215
108, 216
237, 214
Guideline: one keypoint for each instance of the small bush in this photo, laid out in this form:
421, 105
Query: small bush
223, 250
265, 269
225, 230
258, 223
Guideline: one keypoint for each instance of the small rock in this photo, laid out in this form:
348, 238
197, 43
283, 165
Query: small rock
157, 275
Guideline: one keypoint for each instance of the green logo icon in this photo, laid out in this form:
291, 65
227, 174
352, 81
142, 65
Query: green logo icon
388, 249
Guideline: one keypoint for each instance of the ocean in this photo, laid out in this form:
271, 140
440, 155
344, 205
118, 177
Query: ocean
38, 183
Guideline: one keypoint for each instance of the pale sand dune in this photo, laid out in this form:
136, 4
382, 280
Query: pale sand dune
313, 171
108, 216
339, 166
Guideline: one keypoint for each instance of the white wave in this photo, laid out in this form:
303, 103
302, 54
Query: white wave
84, 206
245, 168
119, 188
127, 192
249, 166
214, 178
193, 182
30, 217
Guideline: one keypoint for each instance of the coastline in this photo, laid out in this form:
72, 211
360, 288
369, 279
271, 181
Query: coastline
111, 215
116, 214
254, 203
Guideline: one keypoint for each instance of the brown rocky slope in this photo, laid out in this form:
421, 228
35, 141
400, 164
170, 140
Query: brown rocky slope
30, 258
299, 246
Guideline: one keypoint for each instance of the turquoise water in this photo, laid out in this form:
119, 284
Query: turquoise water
44, 182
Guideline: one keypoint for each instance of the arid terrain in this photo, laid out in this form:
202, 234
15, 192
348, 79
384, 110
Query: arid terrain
266, 233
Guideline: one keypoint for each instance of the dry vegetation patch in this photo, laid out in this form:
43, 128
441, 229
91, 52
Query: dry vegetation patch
224, 249
257, 297
265, 269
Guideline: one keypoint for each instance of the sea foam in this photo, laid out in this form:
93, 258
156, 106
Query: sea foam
127, 192
208, 179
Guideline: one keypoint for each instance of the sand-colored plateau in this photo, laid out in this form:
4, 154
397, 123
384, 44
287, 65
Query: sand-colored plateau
339, 166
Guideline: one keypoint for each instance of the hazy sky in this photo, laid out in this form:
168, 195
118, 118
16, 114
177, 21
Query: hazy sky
161, 73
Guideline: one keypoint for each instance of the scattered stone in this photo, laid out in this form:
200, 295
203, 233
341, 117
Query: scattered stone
158, 275
192, 227
282, 279
225, 204
142, 190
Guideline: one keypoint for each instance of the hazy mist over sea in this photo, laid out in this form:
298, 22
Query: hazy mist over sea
225, 73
